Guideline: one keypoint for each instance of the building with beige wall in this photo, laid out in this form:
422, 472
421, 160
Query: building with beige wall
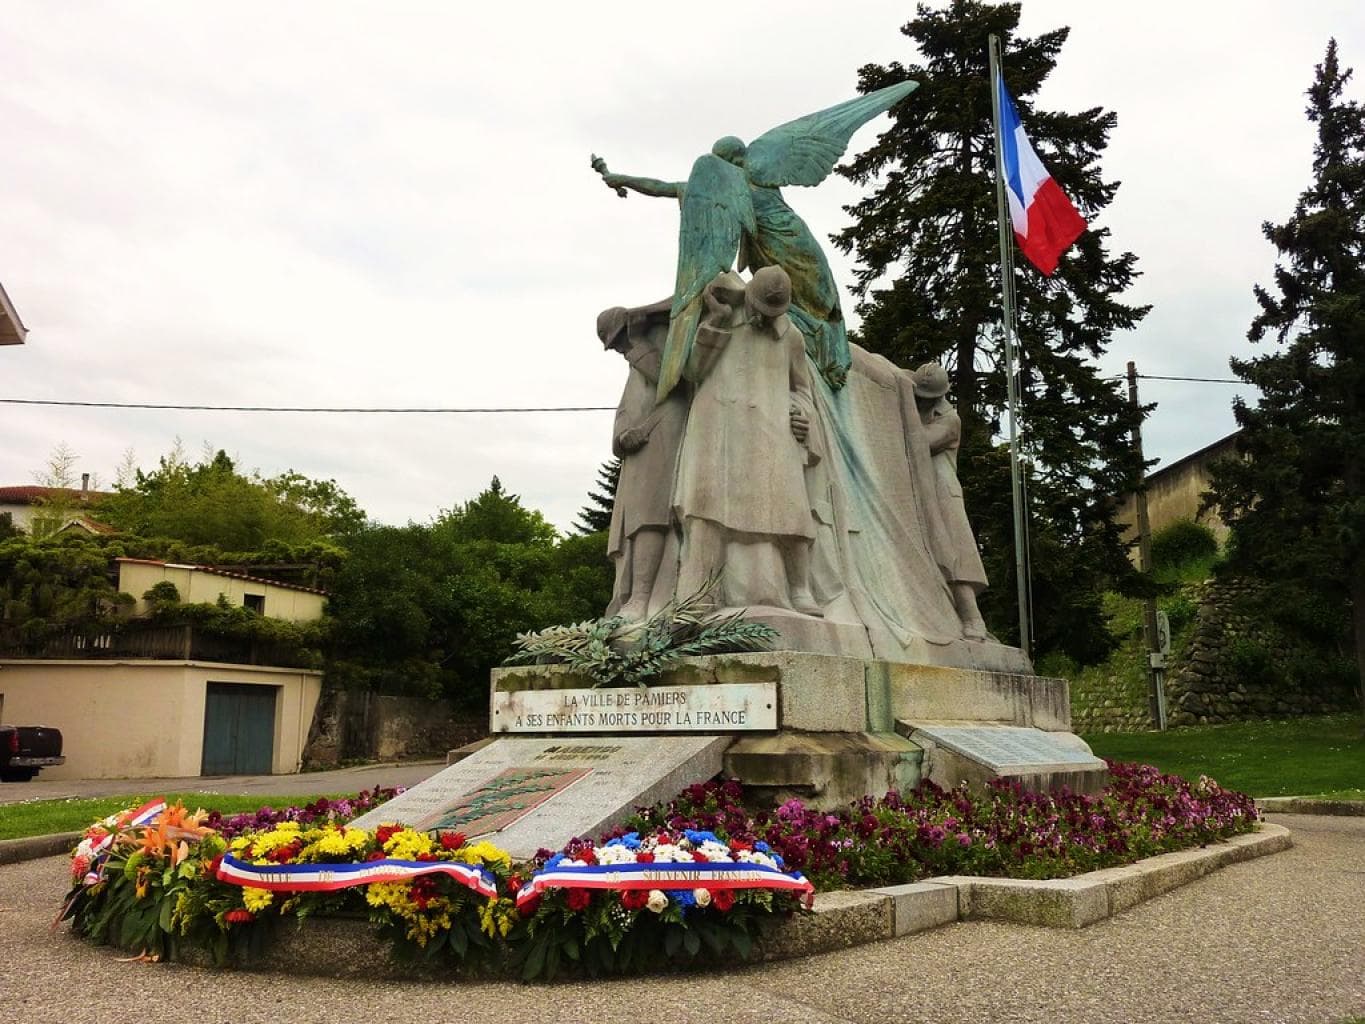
26, 502
140, 704
202, 584
1176, 492
148, 719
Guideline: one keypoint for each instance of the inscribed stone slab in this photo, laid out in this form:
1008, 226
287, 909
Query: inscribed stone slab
1010, 750
525, 793
709, 708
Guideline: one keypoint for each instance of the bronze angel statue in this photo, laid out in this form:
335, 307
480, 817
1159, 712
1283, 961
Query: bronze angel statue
732, 208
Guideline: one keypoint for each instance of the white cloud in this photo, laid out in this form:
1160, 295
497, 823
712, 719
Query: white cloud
347, 204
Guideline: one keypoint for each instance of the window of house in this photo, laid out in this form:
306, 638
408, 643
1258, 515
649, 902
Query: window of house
254, 603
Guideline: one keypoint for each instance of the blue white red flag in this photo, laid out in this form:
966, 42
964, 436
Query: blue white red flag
1045, 221
660, 875
331, 877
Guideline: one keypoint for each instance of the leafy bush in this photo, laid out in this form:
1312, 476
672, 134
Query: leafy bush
1182, 543
162, 594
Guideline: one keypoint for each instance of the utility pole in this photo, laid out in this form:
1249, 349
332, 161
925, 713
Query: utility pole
1155, 643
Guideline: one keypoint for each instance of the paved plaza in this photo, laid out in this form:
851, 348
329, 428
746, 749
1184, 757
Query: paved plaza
1277, 939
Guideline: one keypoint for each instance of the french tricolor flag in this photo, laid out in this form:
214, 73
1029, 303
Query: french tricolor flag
1045, 221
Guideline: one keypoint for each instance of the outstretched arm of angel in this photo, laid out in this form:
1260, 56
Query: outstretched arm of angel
645, 186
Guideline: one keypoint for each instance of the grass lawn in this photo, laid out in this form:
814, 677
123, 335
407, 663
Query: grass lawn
1312, 756
44, 817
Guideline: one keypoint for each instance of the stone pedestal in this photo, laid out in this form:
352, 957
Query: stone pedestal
826, 728
569, 759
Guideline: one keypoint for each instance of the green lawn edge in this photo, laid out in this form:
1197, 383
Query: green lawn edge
75, 814
1318, 756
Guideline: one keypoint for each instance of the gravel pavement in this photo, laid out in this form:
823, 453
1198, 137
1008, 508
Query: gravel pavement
1278, 939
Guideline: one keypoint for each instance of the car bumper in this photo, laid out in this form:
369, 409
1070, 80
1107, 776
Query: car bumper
35, 762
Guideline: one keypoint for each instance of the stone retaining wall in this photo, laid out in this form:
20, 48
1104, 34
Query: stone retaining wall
357, 725
1214, 679
1212, 675
1112, 703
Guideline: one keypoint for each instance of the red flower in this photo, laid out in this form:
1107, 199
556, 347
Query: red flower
452, 840
700, 858
578, 899
239, 916
530, 906
214, 865
644, 857
377, 855
588, 856
722, 899
385, 832
514, 883
634, 899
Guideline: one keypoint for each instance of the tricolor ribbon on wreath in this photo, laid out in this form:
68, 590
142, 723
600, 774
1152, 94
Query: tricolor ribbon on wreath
144, 815
666, 875
330, 877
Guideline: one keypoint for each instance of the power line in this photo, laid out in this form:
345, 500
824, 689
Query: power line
302, 408
426, 410
1197, 380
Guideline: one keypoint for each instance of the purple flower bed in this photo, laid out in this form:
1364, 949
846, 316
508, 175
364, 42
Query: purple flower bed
1004, 831
319, 812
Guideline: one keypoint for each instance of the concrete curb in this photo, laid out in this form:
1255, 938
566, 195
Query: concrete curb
12, 851
849, 918
1310, 805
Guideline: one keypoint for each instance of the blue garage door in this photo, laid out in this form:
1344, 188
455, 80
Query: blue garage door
239, 729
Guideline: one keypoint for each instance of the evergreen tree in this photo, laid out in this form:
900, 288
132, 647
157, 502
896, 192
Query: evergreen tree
930, 227
1295, 496
595, 516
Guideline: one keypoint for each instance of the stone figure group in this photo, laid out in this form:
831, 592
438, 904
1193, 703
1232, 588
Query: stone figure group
815, 480
806, 502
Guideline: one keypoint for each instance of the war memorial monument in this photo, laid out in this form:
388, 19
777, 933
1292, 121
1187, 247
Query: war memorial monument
802, 483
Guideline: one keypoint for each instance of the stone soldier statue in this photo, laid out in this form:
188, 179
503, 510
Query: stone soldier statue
943, 428
645, 437
741, 488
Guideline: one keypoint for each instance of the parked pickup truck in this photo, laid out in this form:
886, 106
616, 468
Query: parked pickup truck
26, 749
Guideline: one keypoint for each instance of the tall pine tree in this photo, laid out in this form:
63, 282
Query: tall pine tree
595, 516
1295, 498
929, 226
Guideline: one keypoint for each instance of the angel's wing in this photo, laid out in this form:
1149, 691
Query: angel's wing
804, 151
716, 211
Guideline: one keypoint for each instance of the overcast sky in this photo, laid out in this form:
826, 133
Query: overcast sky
352, 204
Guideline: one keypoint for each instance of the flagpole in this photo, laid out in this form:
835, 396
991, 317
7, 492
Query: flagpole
1011, 383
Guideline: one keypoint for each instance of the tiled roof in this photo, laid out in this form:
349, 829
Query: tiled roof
29, 494
215, 571
12, 329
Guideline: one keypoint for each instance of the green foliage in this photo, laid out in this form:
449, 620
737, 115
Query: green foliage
210, 502
1182, 543
606, 938
615, 652
596, 514
293, 643
47, 584
162, 595
1294, 496
930, 226
430, 609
